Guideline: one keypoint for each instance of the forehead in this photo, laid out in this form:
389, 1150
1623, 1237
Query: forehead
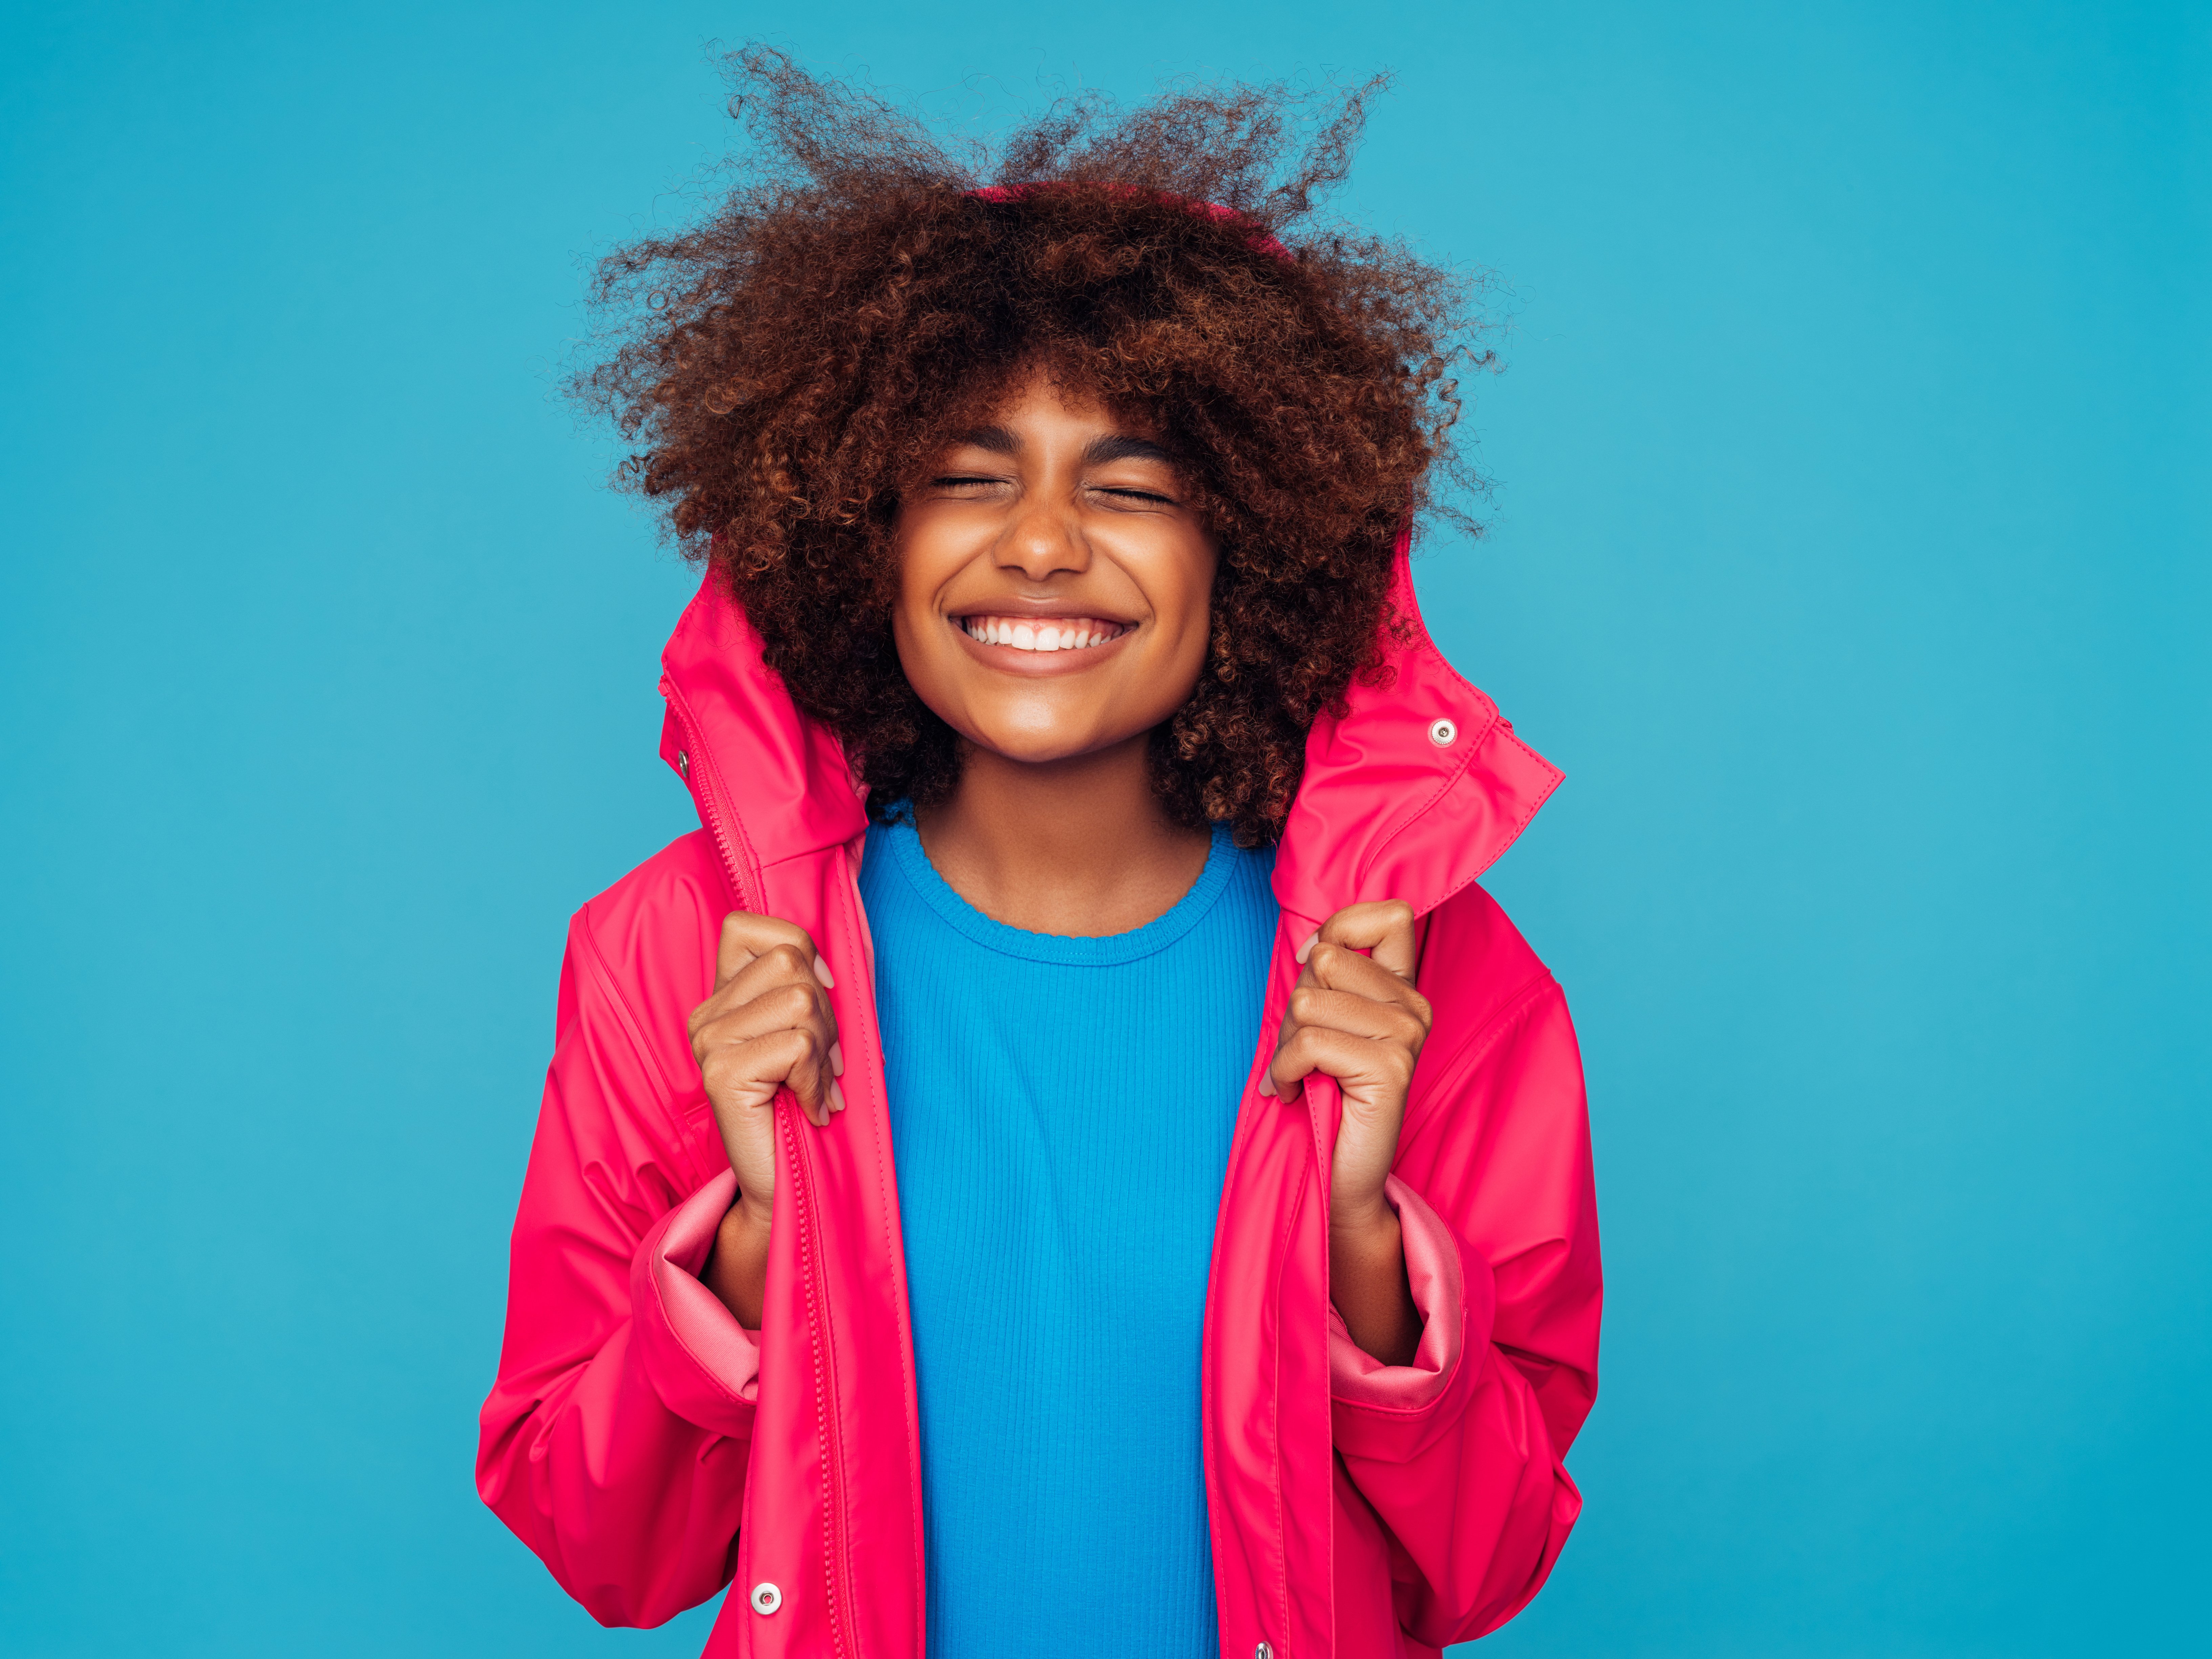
1037, 409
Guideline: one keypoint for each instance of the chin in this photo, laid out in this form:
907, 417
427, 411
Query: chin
1039, 743
1029, 750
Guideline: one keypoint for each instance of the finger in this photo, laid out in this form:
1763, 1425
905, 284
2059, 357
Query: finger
797, 1059
1382, 927
1288, 1030
745, 1074
1354, 1062
1335, 968
1358, 1016
783, 968
745, 936
745, 1071
1287, 1071
769, 994
1267, 1078
792, 1006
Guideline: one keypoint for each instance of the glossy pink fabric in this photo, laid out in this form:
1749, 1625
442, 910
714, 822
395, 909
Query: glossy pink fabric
649, 1449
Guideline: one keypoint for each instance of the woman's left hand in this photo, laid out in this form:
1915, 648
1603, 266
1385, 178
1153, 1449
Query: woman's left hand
1355, 1016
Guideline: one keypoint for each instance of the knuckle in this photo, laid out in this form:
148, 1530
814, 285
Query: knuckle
706, 1033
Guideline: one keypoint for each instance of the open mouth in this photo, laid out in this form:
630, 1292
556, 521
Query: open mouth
1042, 633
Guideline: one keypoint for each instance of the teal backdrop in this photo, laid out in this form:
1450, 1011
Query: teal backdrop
1849, 551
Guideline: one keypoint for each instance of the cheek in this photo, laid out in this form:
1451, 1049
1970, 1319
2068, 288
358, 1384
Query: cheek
919, 653
1193, 600
911, 610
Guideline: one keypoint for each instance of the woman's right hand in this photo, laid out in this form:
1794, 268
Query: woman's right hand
767, 1026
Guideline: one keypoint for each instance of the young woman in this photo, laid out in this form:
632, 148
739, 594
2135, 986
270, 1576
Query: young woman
1065, 1158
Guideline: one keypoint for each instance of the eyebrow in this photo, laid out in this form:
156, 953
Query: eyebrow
1119, 446
1112, 447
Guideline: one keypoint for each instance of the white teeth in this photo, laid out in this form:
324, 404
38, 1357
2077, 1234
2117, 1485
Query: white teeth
1034, 637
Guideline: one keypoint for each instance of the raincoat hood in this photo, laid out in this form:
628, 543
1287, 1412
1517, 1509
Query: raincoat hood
1412, 792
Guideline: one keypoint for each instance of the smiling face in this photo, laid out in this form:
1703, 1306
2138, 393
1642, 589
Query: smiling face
1054, 580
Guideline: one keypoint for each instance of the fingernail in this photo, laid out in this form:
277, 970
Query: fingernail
1266, 1083
1306, 950
836, 1060
836, 1098
822, 972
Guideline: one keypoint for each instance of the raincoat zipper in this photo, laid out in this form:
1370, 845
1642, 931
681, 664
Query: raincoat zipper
825, 1373
742, 870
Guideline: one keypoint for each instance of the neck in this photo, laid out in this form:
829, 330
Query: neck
1077, 846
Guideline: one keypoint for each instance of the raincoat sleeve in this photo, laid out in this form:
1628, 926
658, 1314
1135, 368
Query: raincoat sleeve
615, 1441
1458, 1454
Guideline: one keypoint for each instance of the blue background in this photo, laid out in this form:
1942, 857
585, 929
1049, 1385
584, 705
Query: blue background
1849, 553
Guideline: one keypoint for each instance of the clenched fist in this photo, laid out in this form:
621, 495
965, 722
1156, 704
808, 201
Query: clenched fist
1355, 1016
767, 1026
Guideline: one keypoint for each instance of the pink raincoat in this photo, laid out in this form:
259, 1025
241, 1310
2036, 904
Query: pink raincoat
651, 1450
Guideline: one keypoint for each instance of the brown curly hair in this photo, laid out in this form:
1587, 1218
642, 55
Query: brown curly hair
785, 367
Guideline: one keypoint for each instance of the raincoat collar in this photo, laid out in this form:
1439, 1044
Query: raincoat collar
1412, 792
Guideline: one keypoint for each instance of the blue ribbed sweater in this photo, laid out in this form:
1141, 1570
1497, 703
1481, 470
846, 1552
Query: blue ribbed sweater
1063, 1110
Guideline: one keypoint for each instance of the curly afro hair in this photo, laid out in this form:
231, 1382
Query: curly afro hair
785, 367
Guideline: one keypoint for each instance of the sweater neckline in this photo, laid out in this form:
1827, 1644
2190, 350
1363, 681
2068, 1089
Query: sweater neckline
904, 843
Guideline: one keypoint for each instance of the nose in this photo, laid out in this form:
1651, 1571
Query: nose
1043, 541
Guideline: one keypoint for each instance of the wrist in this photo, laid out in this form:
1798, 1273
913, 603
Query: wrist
1364, 1215
750, 1216
1368, 1282
736, 1270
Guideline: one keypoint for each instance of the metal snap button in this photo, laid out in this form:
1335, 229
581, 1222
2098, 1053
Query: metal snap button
766, 1598
684, 764
1263, 1652
1441, 732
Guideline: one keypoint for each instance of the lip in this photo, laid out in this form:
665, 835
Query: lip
1039, 665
